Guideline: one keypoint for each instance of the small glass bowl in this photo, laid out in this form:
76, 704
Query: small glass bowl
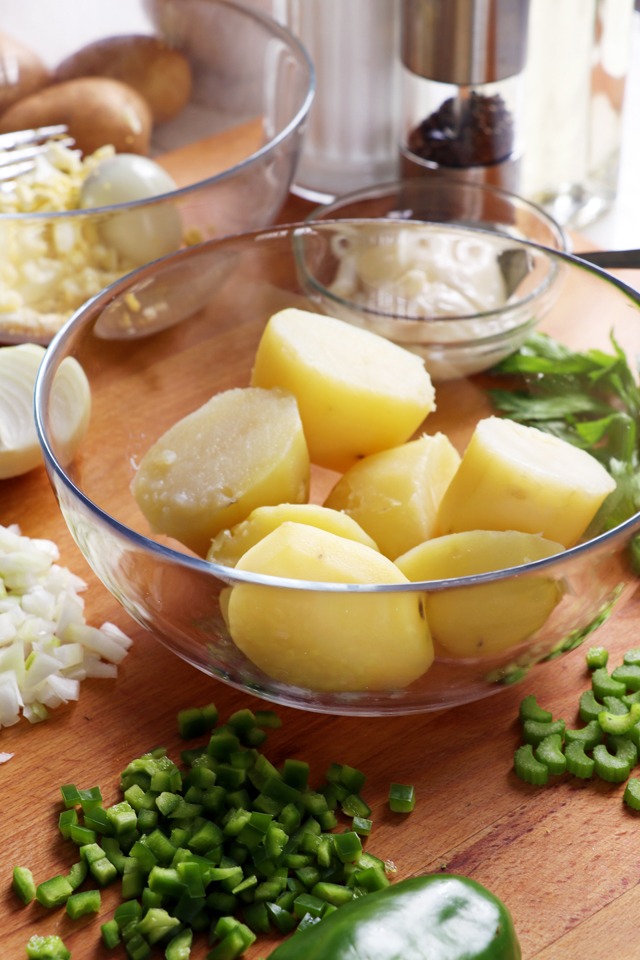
453, 342
232, 150
142, 385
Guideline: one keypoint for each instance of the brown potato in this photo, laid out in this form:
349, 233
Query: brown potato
21, 72
158, 72
96, 110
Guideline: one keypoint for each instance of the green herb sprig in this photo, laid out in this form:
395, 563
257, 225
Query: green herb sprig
589, 399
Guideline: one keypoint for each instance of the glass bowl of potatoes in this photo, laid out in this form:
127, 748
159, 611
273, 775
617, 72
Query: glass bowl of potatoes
290, 504
185, 121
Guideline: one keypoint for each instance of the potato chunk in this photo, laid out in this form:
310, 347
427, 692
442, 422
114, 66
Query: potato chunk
514, 477
357, 392
328, 641
395, 495
482, 620
230, 545
241, 450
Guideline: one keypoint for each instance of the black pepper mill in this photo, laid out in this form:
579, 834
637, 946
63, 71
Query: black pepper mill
463, 89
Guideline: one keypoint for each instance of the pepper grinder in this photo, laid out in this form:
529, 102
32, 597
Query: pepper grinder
463, 89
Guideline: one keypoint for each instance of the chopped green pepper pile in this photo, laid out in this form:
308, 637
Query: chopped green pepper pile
231, 847
611, 713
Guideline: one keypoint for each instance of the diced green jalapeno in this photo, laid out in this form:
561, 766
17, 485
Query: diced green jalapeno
23, 884
402, 798
79, 904
110, 934
47, 948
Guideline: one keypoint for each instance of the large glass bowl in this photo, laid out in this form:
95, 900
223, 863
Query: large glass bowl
141, 385
232, 151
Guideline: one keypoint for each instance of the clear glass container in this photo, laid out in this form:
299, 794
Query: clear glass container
352, 140
577, 60
461, 127
142, 383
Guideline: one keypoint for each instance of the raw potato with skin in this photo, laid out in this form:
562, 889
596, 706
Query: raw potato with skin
96, 110
395, 495
514, 477
243, 449
357, 392
230, 545
482, 620
22, 72
328, 641
159, 73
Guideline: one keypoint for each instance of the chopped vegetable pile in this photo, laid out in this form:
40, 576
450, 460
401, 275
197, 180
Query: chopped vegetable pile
230, 834
46, 647
611, 713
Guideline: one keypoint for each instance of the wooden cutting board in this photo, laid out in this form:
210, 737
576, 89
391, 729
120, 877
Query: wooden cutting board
564, 857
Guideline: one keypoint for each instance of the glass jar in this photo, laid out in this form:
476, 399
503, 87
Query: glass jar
577, 60
352, 139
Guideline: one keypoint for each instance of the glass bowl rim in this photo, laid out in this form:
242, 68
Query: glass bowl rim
378, 190
231, 575
302, 56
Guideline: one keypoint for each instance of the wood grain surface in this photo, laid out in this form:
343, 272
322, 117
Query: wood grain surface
563, 857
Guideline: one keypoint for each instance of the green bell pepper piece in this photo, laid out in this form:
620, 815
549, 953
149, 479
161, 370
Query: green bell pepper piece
436, 917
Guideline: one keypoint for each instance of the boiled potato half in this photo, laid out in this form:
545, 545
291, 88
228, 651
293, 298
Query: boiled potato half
395, 495
159, 73
230, 545
22, 72
514, 477
96, 110
357, 392
328, 641
482, 620
243, 449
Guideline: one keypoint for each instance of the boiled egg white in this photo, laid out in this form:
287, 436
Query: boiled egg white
146, 232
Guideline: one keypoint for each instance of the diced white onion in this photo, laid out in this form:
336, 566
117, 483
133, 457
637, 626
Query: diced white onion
46, 647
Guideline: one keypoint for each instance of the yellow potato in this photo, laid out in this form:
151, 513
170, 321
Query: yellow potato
482, 620
394, 495
22, 72
230, 545
96, 110
241, 450
159, 73
328, 641
514, 477
357, 392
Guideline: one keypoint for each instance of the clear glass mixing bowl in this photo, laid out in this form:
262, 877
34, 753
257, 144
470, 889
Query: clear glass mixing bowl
219, 297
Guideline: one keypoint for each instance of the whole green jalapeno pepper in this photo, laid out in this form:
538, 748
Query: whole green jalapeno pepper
436, 917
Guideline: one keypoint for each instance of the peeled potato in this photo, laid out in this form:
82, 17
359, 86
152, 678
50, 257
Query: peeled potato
328, 641
395, 495
482, 620
514, 477
22, 72
230, 545
159, 73
357, 392
96, 110
241, 450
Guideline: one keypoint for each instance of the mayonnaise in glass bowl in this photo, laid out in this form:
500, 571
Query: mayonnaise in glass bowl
461, 298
